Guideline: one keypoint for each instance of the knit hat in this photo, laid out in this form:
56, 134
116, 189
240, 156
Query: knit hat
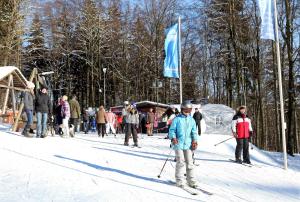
241, 107
30, 85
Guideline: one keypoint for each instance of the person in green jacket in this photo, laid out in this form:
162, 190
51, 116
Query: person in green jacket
75, 112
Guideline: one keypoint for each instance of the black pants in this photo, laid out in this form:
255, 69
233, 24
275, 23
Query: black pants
74, 121
242, 144
198, 124
131, 129
101, 129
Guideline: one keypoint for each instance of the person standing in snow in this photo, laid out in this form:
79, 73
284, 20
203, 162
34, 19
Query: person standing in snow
75, 113
198, 117
65, 111
101, 121
110, 118
133, 123
119, 124
85, 118
150, 122
28, 108
125, 112
58, 113
242, 130
170, 116
183, 134
42, 108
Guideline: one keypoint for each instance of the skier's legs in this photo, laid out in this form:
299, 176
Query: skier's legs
246, 156
113, 130
238, 149
66, 127
39, 124
127, 133
44, 124
134, 134
107, 128
179, 167
151, 128
103, 129
74, 121
29, 122
198, 127
99, 128
188, 156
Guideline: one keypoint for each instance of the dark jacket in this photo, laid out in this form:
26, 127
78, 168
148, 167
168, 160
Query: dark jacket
85, 116
28, 101
197, 116
42, 103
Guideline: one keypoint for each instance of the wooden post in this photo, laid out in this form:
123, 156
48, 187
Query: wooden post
6, 95
283, 127
13, 96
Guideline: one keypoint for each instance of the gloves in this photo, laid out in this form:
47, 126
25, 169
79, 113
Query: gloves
251, 133
194, 145
174, 141
234, 134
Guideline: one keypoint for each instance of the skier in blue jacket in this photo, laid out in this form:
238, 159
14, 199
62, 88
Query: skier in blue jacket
183, 134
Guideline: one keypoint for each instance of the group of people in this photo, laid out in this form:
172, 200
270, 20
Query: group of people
67, 113
39, 104
105, 122
183, 129
184, 140
67, 116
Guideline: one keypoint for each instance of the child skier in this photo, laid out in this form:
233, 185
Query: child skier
183, 134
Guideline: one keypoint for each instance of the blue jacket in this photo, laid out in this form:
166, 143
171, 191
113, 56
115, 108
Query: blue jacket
184, 129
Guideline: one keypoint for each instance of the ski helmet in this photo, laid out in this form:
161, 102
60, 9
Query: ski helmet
186, 105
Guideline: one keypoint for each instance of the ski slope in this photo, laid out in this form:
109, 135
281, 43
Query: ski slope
88, 168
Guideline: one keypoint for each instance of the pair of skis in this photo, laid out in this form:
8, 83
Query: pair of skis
191, 190
245, 164
135, 146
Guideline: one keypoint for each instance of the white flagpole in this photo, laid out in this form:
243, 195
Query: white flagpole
179, 53
283, 124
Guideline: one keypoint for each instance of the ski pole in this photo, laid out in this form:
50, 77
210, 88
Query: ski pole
223, 141
165, 163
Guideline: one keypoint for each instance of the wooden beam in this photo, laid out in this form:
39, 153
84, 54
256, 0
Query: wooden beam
13, 88
6, 95
13, 96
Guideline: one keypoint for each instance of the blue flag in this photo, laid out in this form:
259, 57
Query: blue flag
171, 64
266, 8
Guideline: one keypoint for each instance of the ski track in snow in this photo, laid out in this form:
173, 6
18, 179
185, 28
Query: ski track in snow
89, 168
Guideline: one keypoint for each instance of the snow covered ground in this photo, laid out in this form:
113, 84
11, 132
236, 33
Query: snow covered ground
88, 168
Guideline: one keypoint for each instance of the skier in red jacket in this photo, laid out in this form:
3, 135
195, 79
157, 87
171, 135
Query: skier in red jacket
242, 130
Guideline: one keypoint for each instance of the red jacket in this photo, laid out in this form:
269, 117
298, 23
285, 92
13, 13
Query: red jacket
241, 125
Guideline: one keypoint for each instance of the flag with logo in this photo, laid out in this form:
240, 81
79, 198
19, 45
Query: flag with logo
266, 8
171, 63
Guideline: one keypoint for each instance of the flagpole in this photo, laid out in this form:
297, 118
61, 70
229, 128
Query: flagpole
283, 124
179, 53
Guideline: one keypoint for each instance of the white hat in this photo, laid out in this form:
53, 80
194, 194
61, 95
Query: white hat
30, 85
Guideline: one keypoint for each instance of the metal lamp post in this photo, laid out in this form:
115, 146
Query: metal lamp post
104, 71
244, 84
